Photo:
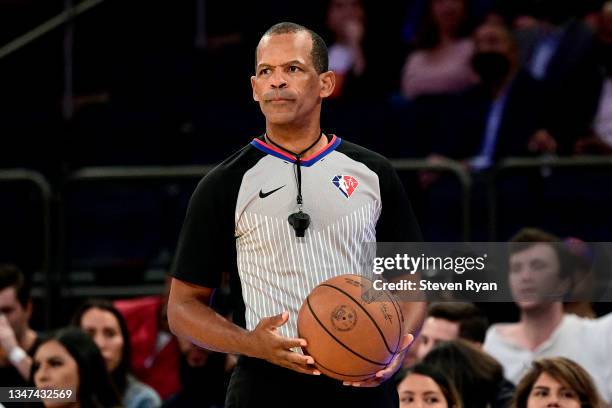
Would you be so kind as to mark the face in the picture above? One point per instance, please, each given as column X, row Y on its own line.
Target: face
column 416, row 391
column 448, row 14
column 286, row 84
column 104, row 329
column 15, row 313
column 55, row 369
column 534, row 276
column 493, row 38
column 341, row 11
column 548, row 392
column 434, row 331
column 194, row 355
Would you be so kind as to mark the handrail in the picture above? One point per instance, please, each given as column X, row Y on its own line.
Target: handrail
column 543, row 162
column 62, row 18
column 137, row 173
column 38, row 180
column 448, row 166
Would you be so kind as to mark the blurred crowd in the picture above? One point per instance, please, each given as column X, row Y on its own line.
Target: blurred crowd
column 470, row 80
column 122, row 353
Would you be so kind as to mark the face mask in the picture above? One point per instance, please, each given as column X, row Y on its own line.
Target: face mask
column 491, row 67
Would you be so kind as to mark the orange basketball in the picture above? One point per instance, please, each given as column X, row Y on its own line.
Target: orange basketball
column 352, row 330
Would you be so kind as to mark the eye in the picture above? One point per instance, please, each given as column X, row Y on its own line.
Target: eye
column 294, row 68
column 540, row 393
column 109, row 333
column 56, row 362
column 568, row 395
column 264, row 71
column 431, row 400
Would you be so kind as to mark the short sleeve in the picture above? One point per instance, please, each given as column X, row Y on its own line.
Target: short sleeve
column 206, row 247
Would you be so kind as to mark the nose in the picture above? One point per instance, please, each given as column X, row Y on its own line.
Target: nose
column 41, row 376
column 553, row 402
column 278, row 80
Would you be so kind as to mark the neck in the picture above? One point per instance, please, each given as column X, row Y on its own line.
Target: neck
column 539, row 323
column 296, row 139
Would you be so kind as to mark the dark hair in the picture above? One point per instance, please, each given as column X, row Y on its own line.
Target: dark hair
column 566, row 372
column 95, row 387
column 11, row 276
column 473, row 323
column 451, row 395
column 529, row 237
column 476, row 374
column 119, row 374
column 428, row 36
column 318, row 53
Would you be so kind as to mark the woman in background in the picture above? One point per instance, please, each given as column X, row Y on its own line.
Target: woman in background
column 557, row 382
column 426, row 386
column 70, row 360
column 441, row 63
column 105, row 324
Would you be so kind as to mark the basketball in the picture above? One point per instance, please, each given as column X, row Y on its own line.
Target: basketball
column 352, row 330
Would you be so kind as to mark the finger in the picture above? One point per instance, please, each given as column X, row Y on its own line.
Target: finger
column 301, row 369
column 406, row 342
column 289, row 343
column 297, row 358
column 276, row 321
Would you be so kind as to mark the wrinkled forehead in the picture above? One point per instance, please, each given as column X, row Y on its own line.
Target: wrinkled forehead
column 278, row 49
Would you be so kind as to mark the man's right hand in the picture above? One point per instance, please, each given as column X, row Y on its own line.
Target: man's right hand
column 268, row 345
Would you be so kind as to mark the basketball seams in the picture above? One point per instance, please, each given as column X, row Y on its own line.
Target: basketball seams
column 382, row 335
column 338, row 340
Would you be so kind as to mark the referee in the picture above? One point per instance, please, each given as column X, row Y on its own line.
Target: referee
column 291, row 209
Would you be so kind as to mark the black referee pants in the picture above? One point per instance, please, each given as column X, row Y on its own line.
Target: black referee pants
column 256, row 383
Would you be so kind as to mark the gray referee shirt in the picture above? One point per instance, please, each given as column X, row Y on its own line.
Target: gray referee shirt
column 237, row 223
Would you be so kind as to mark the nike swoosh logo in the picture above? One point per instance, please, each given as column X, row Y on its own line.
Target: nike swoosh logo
column 264, row 195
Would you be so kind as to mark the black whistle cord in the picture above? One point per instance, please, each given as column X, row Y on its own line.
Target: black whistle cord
column 298, row 163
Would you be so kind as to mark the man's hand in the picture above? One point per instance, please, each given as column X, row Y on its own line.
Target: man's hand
column 8, row 341
column 268, row 345
column 386, row 373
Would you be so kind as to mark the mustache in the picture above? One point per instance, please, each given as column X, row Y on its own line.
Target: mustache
column 279, row 94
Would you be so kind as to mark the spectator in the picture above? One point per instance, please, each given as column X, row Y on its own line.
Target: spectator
column 448, row 321
column 424, row 385
column 539, row 276
column 103, row 322
column 346, row 21
column 499, row 117
column 478, row 377
column 441, row 63
column 156, row 354
column 17, row 339
column 204, row 377
column 556, row 382
column 600, row 140
column 69, row 359
column 559, row 51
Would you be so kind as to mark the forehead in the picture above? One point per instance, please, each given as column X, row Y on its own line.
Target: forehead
column 419, row 383
column 8, row 296
column 547, row 380
column 491, row 34
column 538, row 251
column 441, row 329
column 99, row 317
column 279, row 49
column 52, row 348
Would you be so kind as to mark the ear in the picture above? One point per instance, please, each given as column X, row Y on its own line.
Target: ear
column 255, row 97
column 328, row 83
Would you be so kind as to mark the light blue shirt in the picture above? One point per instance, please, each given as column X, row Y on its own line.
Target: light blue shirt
column 484, row 158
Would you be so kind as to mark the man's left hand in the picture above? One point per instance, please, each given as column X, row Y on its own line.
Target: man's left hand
column 386, row 373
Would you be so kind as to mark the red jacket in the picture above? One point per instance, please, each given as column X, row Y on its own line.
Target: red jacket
column 159, row 369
